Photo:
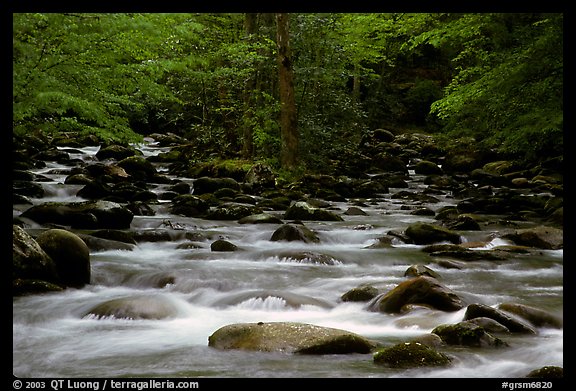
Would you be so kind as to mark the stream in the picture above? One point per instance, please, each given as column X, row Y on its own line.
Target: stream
column 52, row 338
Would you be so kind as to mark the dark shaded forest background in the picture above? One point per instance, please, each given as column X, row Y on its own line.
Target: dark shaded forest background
column 215, row 79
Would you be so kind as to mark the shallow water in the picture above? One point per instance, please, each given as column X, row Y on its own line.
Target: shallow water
column 52, row 337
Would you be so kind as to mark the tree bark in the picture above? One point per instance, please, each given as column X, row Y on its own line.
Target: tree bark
column 250, row 28
column 288, row 122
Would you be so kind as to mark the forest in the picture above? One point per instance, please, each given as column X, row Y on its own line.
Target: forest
column 295, row 90
column 288, row 195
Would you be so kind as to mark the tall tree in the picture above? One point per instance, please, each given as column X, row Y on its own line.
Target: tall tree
column 250, row 28
column 288, row 120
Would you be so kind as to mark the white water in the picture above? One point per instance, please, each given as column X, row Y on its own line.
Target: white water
column 52, row 337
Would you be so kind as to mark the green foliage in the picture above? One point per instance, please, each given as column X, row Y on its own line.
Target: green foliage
column 507, row 90
column 495, row 77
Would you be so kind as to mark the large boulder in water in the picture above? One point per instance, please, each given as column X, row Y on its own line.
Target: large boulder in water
column 422, row 290
column 294, row 232
column 424, row 233
column 549, row 238
column 70, row 254
column 410, row 355
column 29, row 260
column 536, row 316
column 513, row 323
column 87, row 214
column 141, row 307
column 289, row 337
column 302, row 210
column 467, row 333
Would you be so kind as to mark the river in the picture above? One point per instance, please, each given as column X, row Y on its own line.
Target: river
column 52, row 337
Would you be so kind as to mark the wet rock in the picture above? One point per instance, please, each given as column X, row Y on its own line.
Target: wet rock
column 549, row 238
column 463, row 222
column 115, row 235
column 294, row 232
column 304, row 211
column 420, row 270
column 490, row 325
column 260, row 177
column 142, row 307
column 231, row 211
column 70, row 254
column 87, row 214
column 22, row 287
column 409, row 355
column 362, row 293
column 419, row 290
column 467, row 333
column 117, row 152
column 138, row 167
column 430, row 339
column 288, row 337
column 29, row 260
column 260, row 218
column 309, row 257
column 355, row 211
column 511, row 323
column 424, row 233
column 223, row 245
column 426, row 167
column 422, row 211
column 204, row 185
column 547, row 372
column 536, row 316
column 188, row 205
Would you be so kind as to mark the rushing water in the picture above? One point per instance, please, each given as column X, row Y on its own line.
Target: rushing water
column 53, row 338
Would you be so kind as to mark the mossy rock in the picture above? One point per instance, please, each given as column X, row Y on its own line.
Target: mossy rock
column 409, row 355
column 289, row 337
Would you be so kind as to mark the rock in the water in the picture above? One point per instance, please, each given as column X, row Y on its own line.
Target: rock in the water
column 410, row 354
column 143, row 307
column 289, row 337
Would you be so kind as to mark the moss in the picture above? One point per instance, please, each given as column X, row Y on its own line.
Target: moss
column 410, row 354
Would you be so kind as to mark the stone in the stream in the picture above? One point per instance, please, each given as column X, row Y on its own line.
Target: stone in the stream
column 70, row 254
column 409, row 355
column 536, row 316
column 513, row 323
column 142, row 307
column 302, row 210
column 29, row 260
column 97, row 214
column 549, row 238
column 424, row 233
column 422, row 290
column 467, row 333
column 294, row 232
column 289, row 337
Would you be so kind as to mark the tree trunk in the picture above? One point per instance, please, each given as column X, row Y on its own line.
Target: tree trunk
column 250, row 28
column 356, row 84
column 288, row 123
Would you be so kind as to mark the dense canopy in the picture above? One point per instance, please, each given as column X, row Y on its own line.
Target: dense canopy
column 217, row 79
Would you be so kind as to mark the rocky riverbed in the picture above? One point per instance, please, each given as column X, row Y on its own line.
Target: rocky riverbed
column 139, row 260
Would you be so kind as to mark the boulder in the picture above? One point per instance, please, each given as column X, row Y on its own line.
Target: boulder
column 294, row 232
column 422, row 290
column 289, row 337
column 424, row 233
column 549, row 238
column 409, row 355
column 70, row 254
column 29, row 260
column 141, row 307
column 467, row 333
column 86, row 214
